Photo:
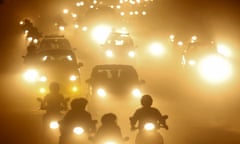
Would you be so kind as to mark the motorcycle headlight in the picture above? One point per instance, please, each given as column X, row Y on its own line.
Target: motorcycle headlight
column 78, row 130
column 54, row 125
column 131, row 54
column 73, row 78
column 149, row 126
column 136, row 92
column 110, row 142
column 109, row 53
column 101, row 92
column 31, row 75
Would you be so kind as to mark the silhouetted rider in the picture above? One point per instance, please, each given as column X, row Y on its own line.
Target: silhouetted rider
column 78, row 115
column 108, row 128
column 54, row 101
column 146, row 113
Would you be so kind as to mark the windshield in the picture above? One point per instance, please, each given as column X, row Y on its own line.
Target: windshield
column 55, row 44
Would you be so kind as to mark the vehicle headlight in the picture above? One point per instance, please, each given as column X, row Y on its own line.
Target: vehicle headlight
column 74, row 88
column 109, row 53
column 43, row 79
column 54, row 125
column 149, row 126
column 73, row 78
column 78, row 130
column 110, row 142
column 215, row 69
column 192, row 62
column 136, row 92
column 157, row 49
column 101, row 92
column 42, row 90
column 31, row 75
column 131, row 54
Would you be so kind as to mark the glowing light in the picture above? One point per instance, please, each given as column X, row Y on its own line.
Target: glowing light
column 43, row 79
column 215, row 69
column 84, row 28
column 144, row 13
column 76, row 26
column 109, row 53
column 172, row 37
column 29, row 39
column 101, row 92
column 31, row 75
column 74, row 88
column 54, row 125
column 137, row 93
column 224, row 50
column 149, row 126
column 65, row 11
column 131, row 54
column 61, row 28
column 157, row 49
column 100, row 33
column 21, row 22
column 122, row 13
column 74, row 15
column 42, row 90
column 35, row 41
column 73, row 78
column 69, row 58
column 78, row 130
column 180, row 43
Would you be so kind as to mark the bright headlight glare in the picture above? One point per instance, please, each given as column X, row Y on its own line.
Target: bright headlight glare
column 31, row 75
column 192, row 62
column 54, row 125
column 149, row 126
column 157, row 49
column 42, row 90
column 73, row 78
column 101, row 92
column 131, row 54
column 136, row 92
column 215, row 69
column 110, row 142
column 74, row 88
column 78, row 130
column 109, row 53
column 43, row 79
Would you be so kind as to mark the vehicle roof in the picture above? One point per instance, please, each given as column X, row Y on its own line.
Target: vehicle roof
column 57, row 51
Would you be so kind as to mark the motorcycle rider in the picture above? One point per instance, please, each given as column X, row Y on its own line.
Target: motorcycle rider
column 108, row 128
column 145, row 113
column 77, row 114
column 54, row 101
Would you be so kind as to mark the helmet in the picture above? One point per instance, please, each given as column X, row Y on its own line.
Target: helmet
column 54, row 87
column 146, row 100
column 79, row 103
column 108, row 118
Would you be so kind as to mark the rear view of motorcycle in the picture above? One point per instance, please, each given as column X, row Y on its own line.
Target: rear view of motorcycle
column 149, row 132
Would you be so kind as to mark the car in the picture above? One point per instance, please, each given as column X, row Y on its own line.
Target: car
column 54, row 42
column 196, row 51
column 119, row 45
column 114, row 79
column 60, row 65
column 207, row 60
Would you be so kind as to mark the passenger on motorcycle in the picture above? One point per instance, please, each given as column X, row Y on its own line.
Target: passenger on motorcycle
column 146, row 113
column 109, row 130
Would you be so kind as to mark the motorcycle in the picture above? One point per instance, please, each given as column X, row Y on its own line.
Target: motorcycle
column 149, row 132
column 51, row 118
column 76, row 132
